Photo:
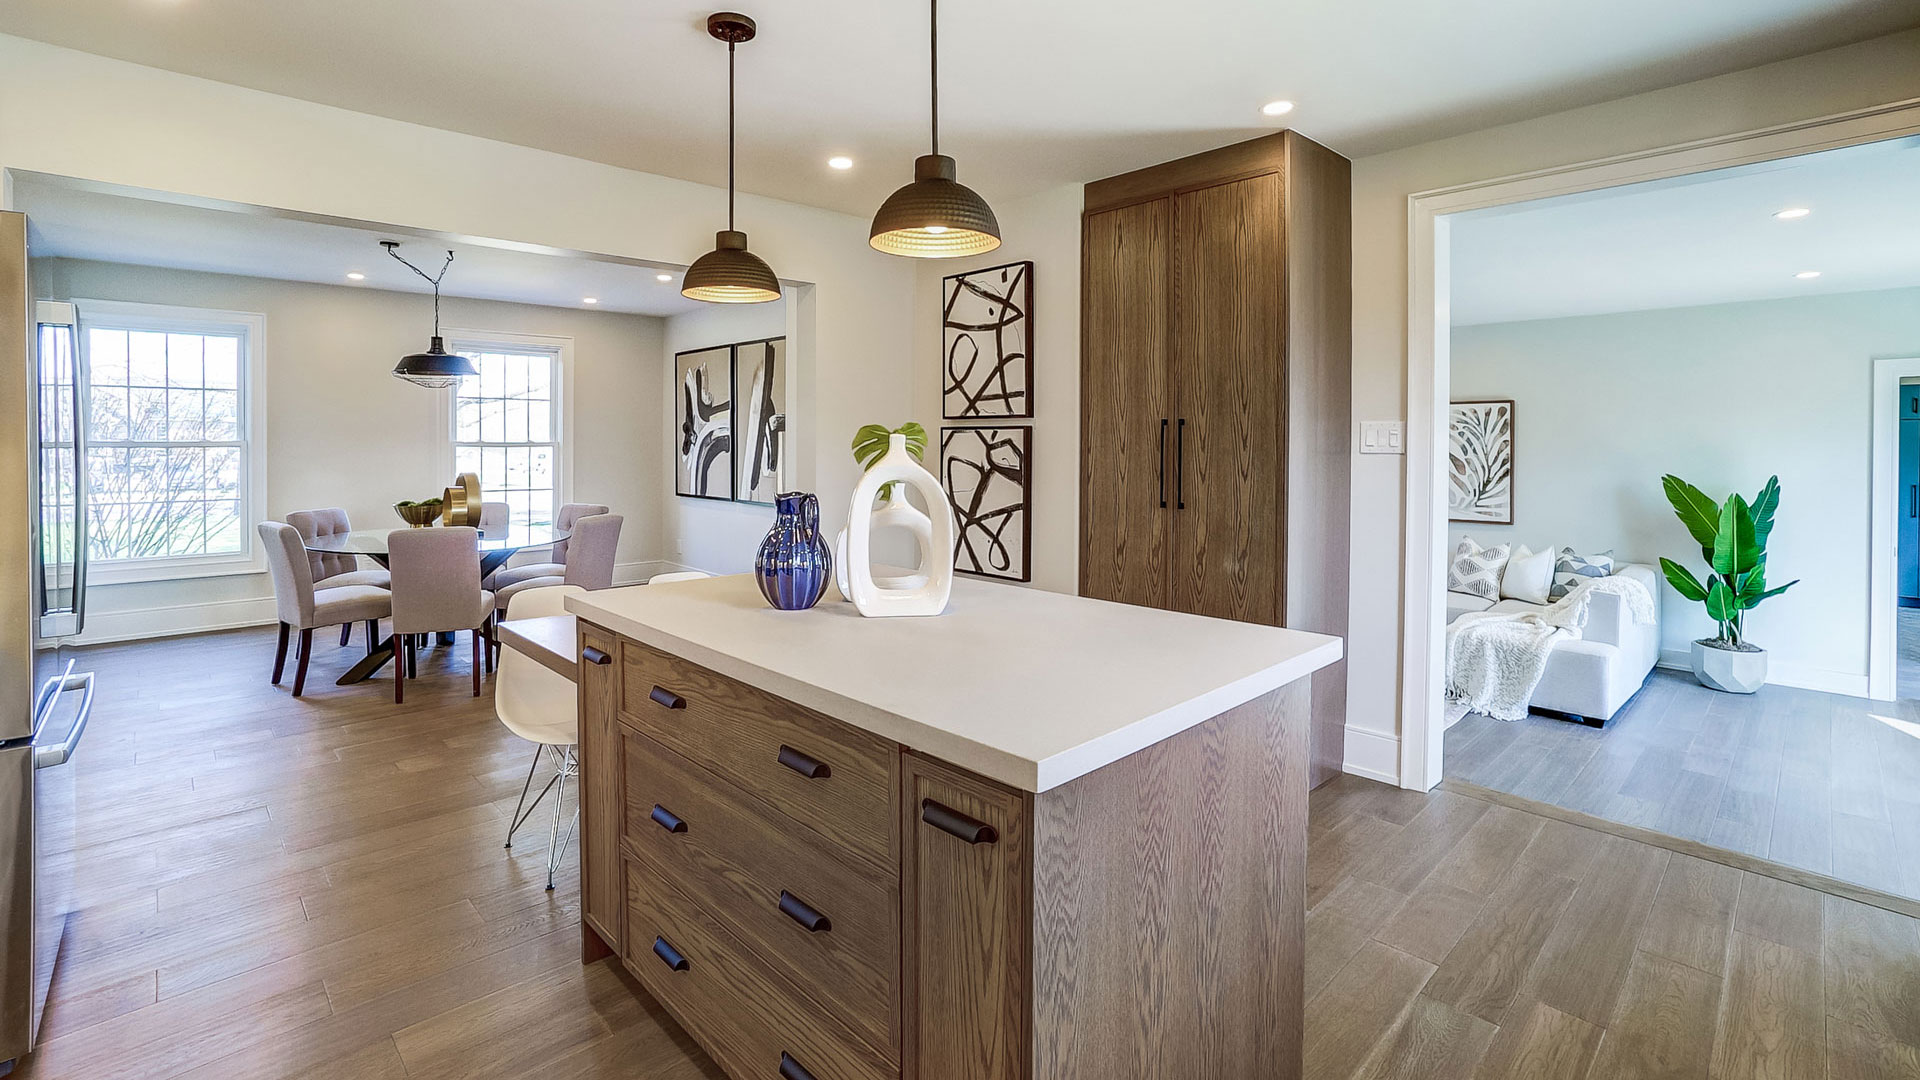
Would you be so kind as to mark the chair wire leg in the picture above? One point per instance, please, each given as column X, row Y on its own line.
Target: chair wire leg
column 557, row 844
column 523, row 810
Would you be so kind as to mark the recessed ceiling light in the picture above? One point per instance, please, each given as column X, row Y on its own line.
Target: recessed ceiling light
column 355, row 275
column 1276, row 108
column 1792, row 212
column 663, row 277
column 1807, row 275
column 841, row 163
column 589, row 299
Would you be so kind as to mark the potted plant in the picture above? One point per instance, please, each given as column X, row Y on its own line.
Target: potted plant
column 1733, row 539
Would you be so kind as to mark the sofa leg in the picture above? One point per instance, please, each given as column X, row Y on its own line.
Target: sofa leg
column 1591, row 721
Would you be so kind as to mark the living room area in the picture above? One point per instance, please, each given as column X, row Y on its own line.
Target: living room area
column 1680, row 509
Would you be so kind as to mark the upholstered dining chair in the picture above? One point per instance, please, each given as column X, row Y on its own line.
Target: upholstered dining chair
column 302, row 607
column 565, row 521
column 331, row 571
column 436, row 589
column 541, row 707
column 495, row 517
column 590, row 554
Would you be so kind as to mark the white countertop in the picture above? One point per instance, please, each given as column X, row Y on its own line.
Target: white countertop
column 1030, row 688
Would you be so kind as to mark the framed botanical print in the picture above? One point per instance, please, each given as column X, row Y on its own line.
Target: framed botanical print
column 1480, row 462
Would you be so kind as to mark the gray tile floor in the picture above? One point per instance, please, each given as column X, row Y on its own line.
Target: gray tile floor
column 1812, row 780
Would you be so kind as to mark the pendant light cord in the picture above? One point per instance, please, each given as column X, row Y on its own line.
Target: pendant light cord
column 730, row 46
column 434, row 281
column 935, row 67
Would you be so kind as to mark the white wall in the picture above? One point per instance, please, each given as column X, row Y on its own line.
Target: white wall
column 702, row 534
column 342, row 431
column 1722, row 396
column 1857, row 76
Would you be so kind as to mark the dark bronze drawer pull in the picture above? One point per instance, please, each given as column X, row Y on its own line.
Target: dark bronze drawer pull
column 803, row 913
column 805, row 764
column 669, row 955
column 949, row 820
column 791, row 1069
column 667, row 819
column 667, row 698
column 594, row 656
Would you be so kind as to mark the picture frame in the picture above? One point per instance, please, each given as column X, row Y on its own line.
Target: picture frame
column 703, row 423
column 986, row 343
column 987, row 473
column 760, row 419
column 1480, row 461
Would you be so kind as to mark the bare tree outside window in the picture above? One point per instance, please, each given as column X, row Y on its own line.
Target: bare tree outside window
column 504, row 430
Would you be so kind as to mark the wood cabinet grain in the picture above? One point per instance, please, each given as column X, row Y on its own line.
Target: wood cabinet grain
column 602, row 801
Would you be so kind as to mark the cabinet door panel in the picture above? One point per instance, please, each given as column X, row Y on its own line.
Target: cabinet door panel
column 1123, row 405
column 603, row 798
column 1228, row 382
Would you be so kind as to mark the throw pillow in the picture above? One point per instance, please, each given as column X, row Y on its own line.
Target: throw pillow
column 1476, row 570
column 1529, row 575
column 1572, row 569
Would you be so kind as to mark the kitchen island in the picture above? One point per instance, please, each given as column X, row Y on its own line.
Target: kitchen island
column 1039, row 836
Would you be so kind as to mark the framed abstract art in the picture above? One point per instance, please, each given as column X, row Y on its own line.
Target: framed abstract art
column 986, row 343
column 988, row 476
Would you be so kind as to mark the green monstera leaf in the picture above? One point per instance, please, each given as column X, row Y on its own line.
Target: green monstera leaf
column 1698, row 513
column 1734, row 550
column 1683, row 581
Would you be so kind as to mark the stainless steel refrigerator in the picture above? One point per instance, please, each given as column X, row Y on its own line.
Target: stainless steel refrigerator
column 44, row 701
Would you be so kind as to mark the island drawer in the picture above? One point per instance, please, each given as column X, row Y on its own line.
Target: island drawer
column 831, row 777
column 739, row 1010
column 830, row 928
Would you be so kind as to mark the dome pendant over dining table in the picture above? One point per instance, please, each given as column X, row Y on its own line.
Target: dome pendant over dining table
column 730, row 274
column 436, row 368
column 936, row 216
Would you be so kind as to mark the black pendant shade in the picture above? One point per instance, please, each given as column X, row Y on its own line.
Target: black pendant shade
column 436, row 368
column 936, row 216
column 730, row 274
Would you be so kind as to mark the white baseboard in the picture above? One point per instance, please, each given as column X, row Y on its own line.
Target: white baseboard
column 173, row 620
column 1799, row 676
column 1372, row 755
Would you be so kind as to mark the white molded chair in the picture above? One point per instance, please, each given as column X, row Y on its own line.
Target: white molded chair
column 542, row 707
column 678, row 575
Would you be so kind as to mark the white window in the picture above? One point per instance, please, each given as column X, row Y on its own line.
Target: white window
column 507, row 425
column 174, row 472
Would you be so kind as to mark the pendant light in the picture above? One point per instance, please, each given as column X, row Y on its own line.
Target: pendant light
column 730, row 274
column 436, row 368
column 935, row 217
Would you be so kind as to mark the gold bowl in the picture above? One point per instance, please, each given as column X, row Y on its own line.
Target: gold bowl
column 418, row 514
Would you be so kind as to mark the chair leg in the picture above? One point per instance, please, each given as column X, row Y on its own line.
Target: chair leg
column 373, row 635
column 346, row 633
column 493, row 643
column 523, row 810
column 280, row 654
column 556, row 845
column 477, row 635
column 399, row 668
column 413, row 656
column 306, row 653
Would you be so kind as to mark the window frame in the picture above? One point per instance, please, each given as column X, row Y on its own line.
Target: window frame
column 251, row 328
column 464, row 340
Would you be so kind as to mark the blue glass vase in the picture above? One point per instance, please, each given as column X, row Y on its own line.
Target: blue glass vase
column 795, row 563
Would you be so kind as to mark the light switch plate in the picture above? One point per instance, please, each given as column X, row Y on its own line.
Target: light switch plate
column 1382, row 437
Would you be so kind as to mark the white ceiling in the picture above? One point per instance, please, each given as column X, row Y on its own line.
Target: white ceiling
column 1710, row 238
column 1036, row 92
column 70, row 220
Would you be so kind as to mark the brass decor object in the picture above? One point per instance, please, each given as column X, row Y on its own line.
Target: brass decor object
column 730, row 274
column 418, row 515
column 936, row 216
column 462, row 503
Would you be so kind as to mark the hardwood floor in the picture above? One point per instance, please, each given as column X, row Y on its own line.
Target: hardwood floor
column 1814, row 781
column 1454, row 939
column 1907, row 635
column 275, row 888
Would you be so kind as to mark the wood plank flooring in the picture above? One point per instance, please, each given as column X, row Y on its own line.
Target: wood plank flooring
column 1814, row 781
column 273, row 888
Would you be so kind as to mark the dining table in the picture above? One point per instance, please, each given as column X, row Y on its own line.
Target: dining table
column 496, row 547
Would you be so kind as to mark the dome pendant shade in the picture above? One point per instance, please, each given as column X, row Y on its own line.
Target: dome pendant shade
column 436, row 368
column 730, row 274
column 935, row 217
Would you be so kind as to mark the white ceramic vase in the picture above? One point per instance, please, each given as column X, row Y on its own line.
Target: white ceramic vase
column 923, row 593
column 894, row 511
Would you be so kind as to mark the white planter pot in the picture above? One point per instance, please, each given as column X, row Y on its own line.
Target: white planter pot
column 1729, row 670
column 891, row 513
column 896, row 597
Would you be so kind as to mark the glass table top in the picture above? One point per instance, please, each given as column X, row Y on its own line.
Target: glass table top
column 374, row 541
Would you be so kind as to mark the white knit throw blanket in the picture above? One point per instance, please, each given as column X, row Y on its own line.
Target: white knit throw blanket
column 1495, row 659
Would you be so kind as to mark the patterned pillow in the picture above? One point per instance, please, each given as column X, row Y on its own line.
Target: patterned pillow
column 1569, row 570
column 1476, row 570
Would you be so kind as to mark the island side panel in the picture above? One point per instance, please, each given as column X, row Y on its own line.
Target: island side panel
column 1169, row 905
column 602, row 799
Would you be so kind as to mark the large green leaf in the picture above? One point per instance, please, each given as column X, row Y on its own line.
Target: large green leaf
column 1698, row 513
column 1764, row 504
column 870, row 442
column 1722, row 605
column 1734, row 549
column 1683, row 581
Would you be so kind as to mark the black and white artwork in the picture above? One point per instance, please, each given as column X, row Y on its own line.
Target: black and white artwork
column 1480, row 462
column 987, row 473
column 986, row 352
column 760, row 430
column 703, row 388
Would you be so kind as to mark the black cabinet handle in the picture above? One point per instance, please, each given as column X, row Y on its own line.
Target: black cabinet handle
column 803, row 913
column 669, row 955
column 667, row 819
column 1180, row 465
column 1161, row 462
column 594, row 656
column 948, row 820
column 805, row 764
column 791, row 1069
column 667, row 699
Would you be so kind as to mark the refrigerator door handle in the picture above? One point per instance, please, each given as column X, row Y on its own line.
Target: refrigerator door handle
column 46, row 757
column 81, row 557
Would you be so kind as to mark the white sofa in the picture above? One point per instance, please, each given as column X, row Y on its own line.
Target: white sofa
column 1590, row 678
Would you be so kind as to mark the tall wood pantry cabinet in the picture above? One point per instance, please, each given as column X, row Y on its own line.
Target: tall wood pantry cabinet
column 1216, row 394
